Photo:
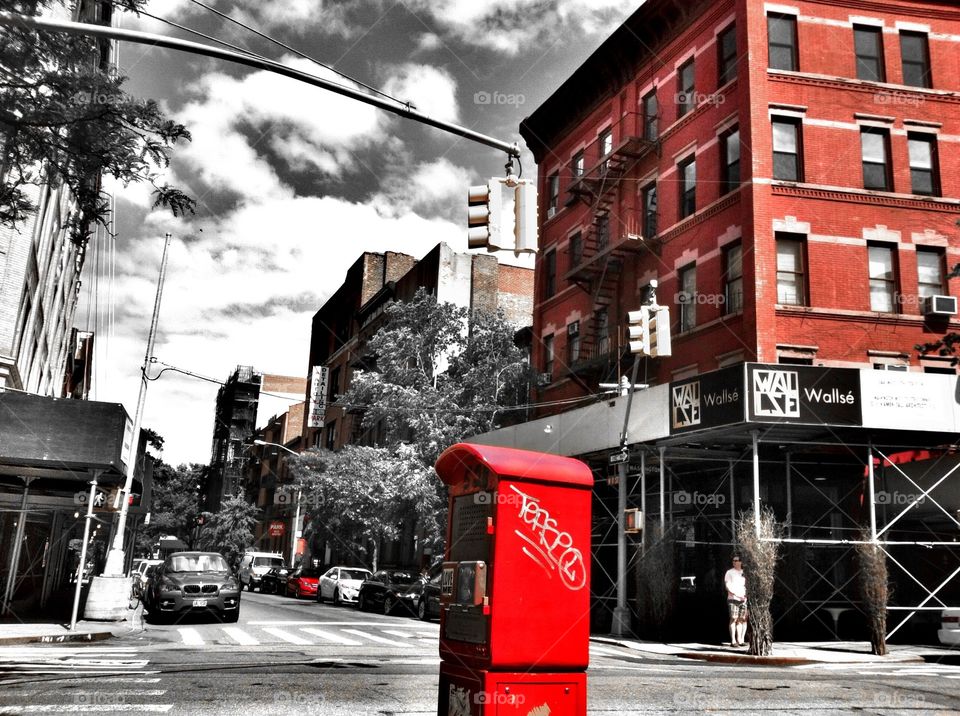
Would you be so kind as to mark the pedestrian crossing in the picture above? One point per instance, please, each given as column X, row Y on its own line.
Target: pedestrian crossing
column 309, row 634
column 52, row 680
column 933, row 670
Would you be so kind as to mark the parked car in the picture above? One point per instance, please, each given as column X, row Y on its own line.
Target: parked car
column 194, row 581
column 274, row 581
column 302, row 582
column 341, row 584
column 140, row 568
column 255, row 564
column 387, row 589
column 428, row 598
column 950, row 627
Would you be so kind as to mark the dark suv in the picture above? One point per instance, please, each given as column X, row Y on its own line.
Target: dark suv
column 194, row 581
column 388, row 589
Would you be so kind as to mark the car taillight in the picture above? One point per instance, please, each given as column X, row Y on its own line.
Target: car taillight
column 951, row 620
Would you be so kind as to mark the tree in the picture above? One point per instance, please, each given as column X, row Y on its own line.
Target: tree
column 229, row 531
column 760, row 551
column 360, row 496
column 67, row 119
column 174, row 506
column 873, row 582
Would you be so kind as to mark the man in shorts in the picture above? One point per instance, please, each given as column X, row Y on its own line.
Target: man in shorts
column 736, row 585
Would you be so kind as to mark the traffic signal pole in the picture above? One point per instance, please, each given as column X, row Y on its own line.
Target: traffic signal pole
column 621, row 614
column 407, row 110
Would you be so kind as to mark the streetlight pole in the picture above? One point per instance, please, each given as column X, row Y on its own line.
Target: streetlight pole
column 295, row 527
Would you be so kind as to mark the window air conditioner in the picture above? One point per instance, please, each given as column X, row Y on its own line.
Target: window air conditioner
column 940, row 306
column 544, row 379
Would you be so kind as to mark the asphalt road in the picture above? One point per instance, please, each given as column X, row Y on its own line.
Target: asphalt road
column 289, row 657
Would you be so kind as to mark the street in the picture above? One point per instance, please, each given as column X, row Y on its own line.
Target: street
column 286, row 656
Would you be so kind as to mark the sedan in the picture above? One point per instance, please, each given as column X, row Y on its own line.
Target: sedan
column 302, row 582
column 342, row 584
column 388, row 589
column 193, row 581
column 274, row 580
column 949, row 633
column 428, row 598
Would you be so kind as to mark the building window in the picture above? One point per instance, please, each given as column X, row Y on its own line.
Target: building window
column 331, row 435
column 553, row 192
column 603, row 231
column 650, row 211
column 727, row 62
column 930, row 279
column 915, row 54
column 687, row 170
column 883, row 280
column 730, row 158
column 686, row 89
column 578, row 165
column 687, row 297
column 605, row 143
column 868, row 47
column 782, row 37
column 548, row 355
column 924, row 169
column 733, row 279
column 651, row 110
column 573, row 342
column 549, row 274
column 333, row 388
column 790, row 270
column 576, row 249
column 602, row 323
column 787, row 150
column 875, row 146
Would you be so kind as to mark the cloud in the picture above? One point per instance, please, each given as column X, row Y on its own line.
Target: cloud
column 432, row 90
column 437, row 188
column 513, row 26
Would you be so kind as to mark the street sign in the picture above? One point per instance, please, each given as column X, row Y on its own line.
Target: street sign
column 277, row 528
column 618, row 458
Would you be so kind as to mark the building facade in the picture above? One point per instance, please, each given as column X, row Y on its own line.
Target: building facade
column 784, row 172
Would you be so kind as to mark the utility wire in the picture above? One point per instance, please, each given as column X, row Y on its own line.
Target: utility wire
column 203, row 35
column 298, row 53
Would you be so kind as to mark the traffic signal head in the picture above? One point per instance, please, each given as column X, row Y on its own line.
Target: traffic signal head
column 484, row 215
column 502, row 215
column 637, row 332
column 649, row 331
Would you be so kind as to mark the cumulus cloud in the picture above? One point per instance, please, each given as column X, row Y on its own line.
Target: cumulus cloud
column 436, row 188
column 512, row 26
column 432, row 89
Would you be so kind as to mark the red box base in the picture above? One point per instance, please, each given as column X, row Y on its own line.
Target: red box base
column 477, row 692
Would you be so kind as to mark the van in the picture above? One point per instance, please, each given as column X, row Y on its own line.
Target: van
column 254, row 565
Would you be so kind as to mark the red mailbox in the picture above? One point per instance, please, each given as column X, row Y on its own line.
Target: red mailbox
column 515, row 590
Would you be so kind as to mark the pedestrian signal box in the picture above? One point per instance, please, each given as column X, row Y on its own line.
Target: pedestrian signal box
column 515, row 587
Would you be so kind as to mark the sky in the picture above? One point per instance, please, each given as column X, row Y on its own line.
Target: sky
column 293, row 183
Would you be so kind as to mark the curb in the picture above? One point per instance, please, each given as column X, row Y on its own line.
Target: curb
column 748, row 659
column 56, row 638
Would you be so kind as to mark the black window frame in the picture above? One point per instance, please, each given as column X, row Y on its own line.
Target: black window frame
column 869, row 167
column 733, row 279
column 934, row 171
column 549, row 357
column 651, row 116
column 892, row 284
column 727, row 60
column 576, row 249
column 686, row 92
column 800, row 276
column 940, row 288
column 578, row 165
column 650, row 209
column 549, row 274
column 688, row 193
column 603, row 231
column 553, row 194
column 573, row 342
column 926, row 78
column 793, row 47
column 687, row 300
column 796, row 123
column 864, row 71
column 730, row 170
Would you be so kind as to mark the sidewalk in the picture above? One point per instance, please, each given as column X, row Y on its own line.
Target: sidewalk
column 12, row 633
column 786, row 653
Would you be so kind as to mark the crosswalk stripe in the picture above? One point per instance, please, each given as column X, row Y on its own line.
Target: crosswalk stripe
column 287, row 636
column 405, row 635
column 190, row 636
column 329, row 636
column 429, row 634
column 240, row 636
column 377, row 639
column 91, row 708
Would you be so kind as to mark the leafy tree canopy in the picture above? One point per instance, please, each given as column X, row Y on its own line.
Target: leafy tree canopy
column 229, row 531
column 66, row 118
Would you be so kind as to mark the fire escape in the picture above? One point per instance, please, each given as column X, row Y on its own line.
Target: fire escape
column 598, row 259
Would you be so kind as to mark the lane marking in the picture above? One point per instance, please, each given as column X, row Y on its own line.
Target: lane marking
column 240, row 636
column 329, row 624
column 91, row 708
column 330, row 636
column 288, row 637
column 190, row 636
column 399, row 633
column 378, row 639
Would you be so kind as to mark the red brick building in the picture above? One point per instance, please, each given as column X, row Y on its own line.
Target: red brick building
column 786, row 172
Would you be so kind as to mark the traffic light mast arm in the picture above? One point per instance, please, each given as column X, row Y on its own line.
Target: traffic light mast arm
column 196, row 48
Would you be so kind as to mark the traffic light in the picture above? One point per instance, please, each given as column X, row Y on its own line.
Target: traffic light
column 484, row 215
column 649, row 331
column 491, row 225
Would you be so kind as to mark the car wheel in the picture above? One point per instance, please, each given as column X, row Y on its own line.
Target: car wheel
column 362, row 602
column 250, row 586
column 422, row 610
column 336, row 597
column 389, row 604
column 296, row 593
